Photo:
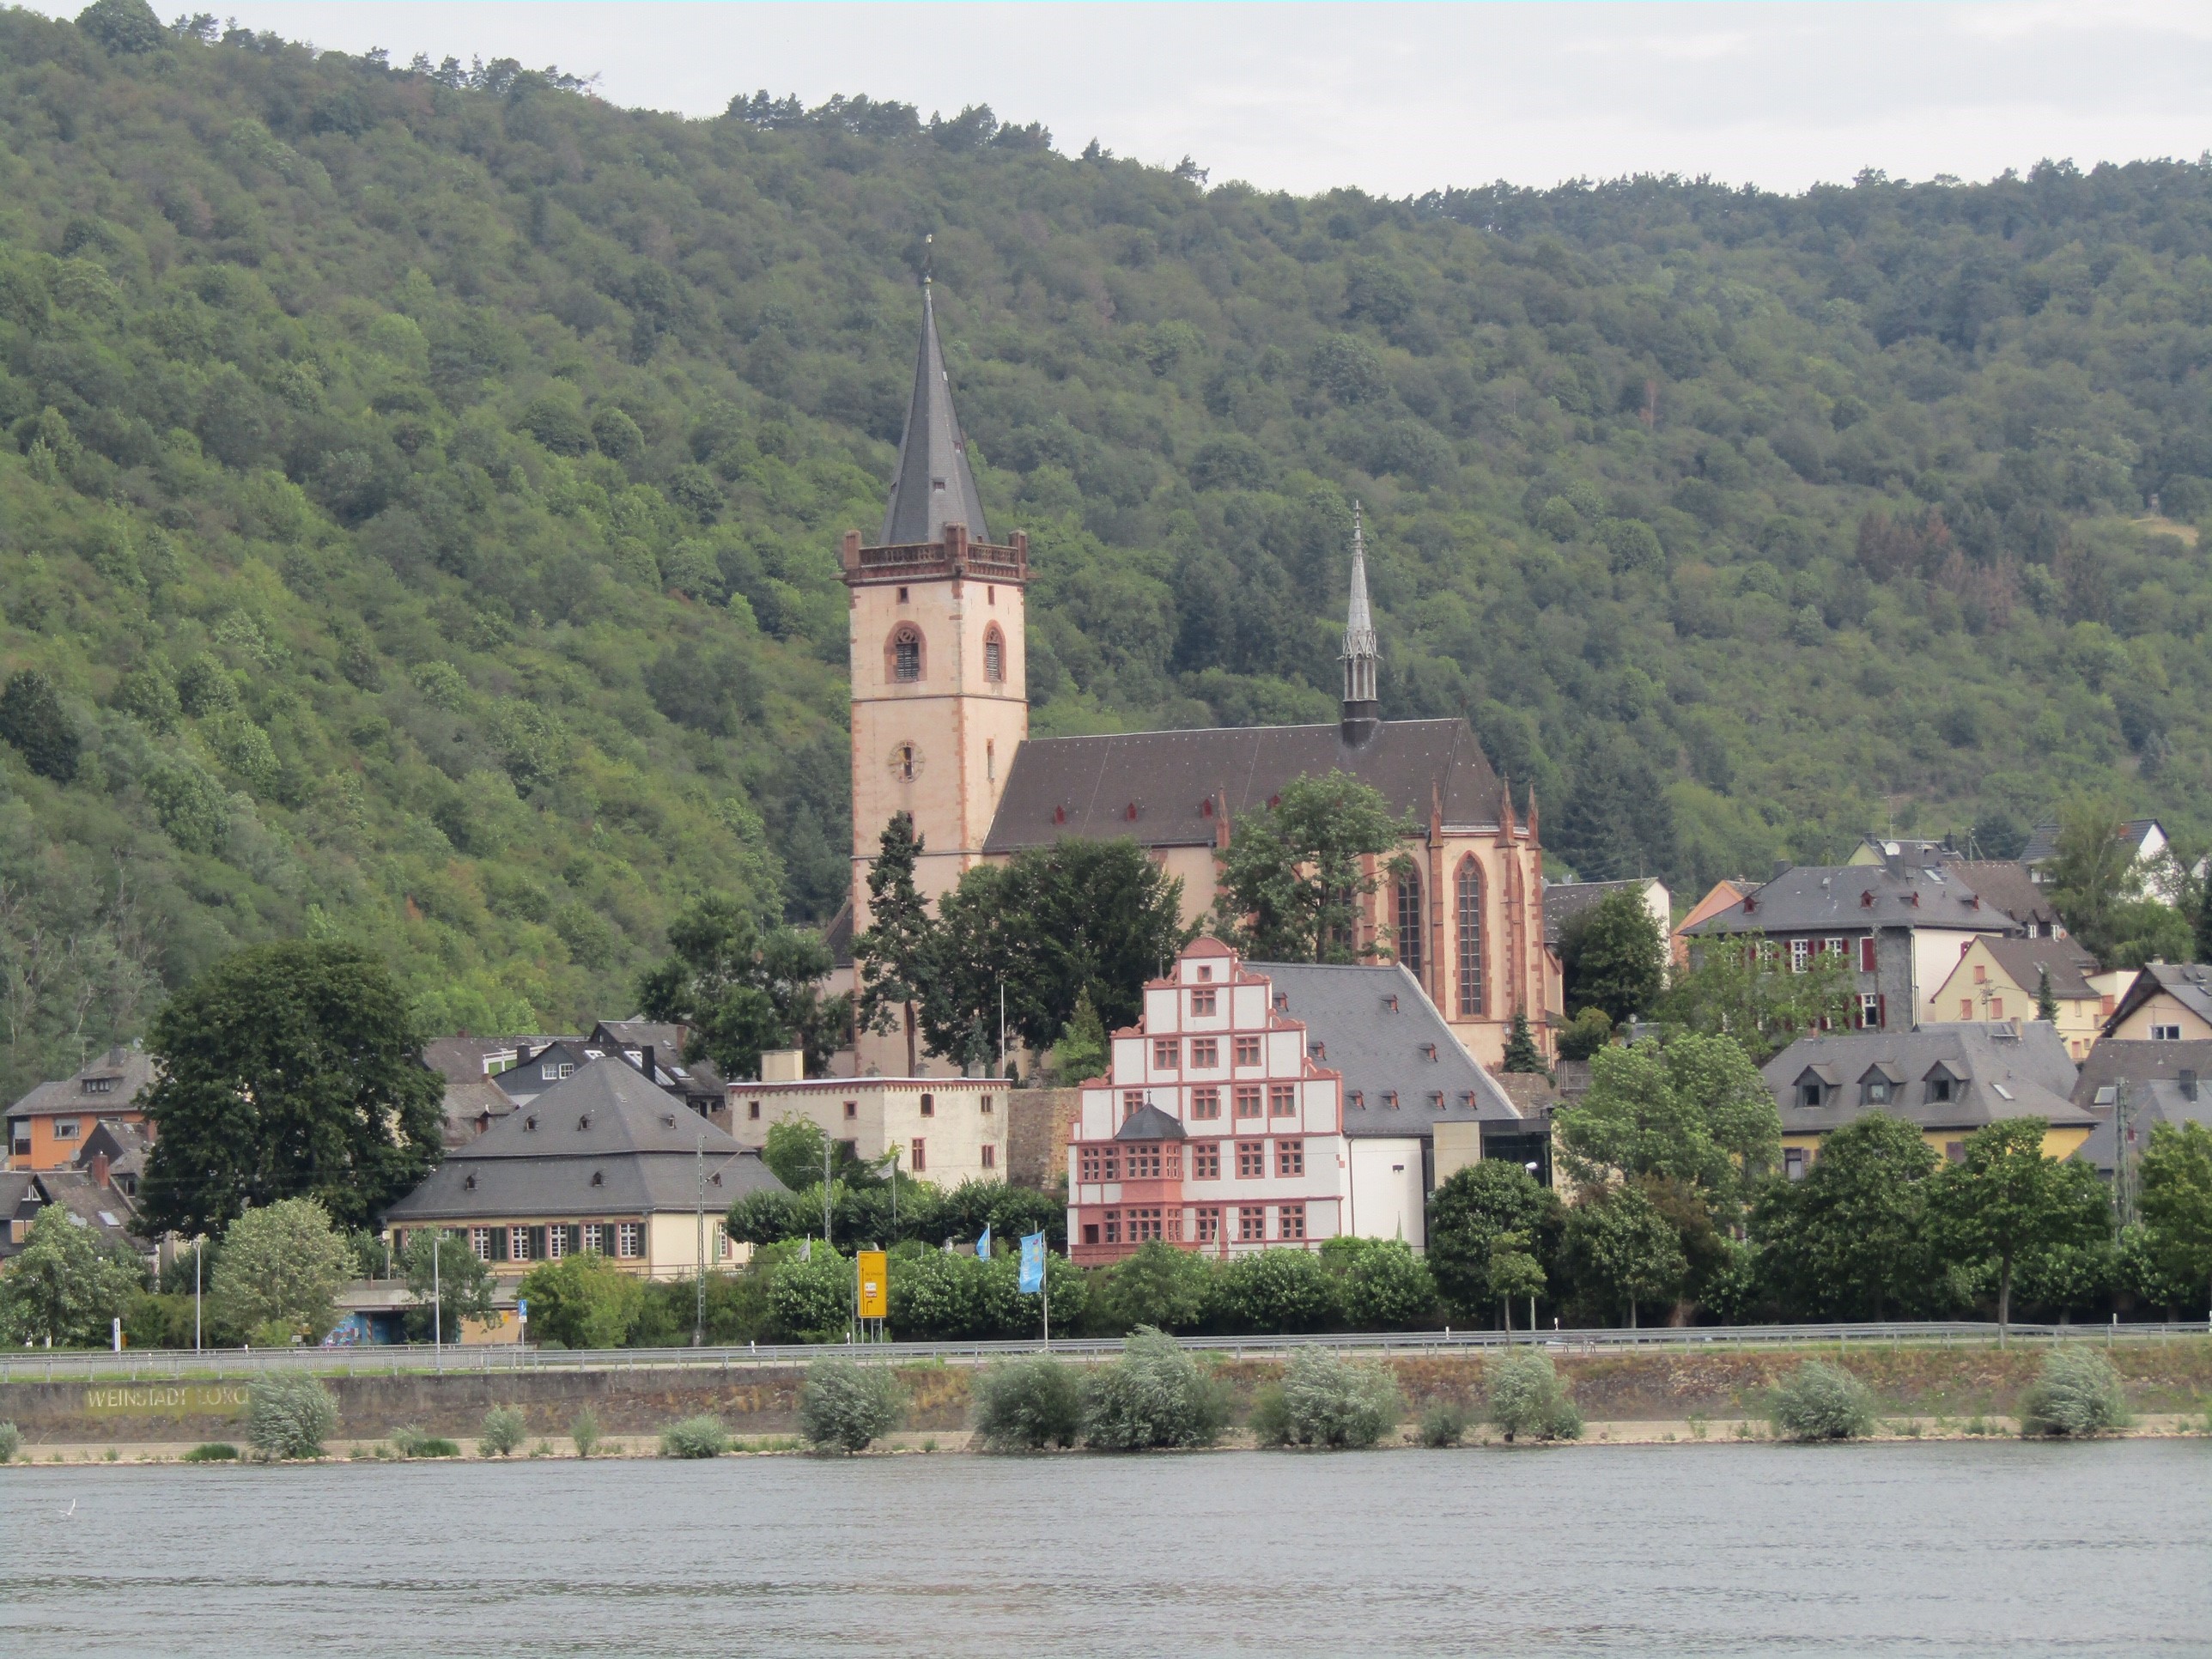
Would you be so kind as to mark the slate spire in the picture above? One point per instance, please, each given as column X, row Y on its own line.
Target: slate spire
column 934, row 486
column 1361, row 711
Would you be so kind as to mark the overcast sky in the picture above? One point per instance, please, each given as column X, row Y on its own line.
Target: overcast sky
column 1401, row 99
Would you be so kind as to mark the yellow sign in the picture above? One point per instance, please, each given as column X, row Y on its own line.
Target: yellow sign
column 874, row 1268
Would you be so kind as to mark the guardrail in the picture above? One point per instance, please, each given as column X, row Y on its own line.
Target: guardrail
column 146, row 1365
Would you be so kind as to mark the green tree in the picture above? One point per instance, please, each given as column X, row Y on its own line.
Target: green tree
column 1694, row 1111
column 2005, row 1198
column 66, row 1285
column 1614, row 957
column 582, row 1302
column 739, row 991
column 1619, row 1250
column 1159, row 1286
column 287, row 1071
column 1383, row 1285
column 1521, row 1053
column 2176, row 1201
column 282, row 1268
column 1851, row 1240
column 893, row 954
column 1080, row 1052
column 458, row 1284
column 1272, row 1293
column 2046, row 1004
column 1744, row 990
column 122, row 26
column 2097, row 883
column 1292, row 878
column 31, row 718
column 1479, row 1215
column 1585, row 1034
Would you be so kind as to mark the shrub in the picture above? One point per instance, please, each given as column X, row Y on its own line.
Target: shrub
column 215, row 1451
column 585, row 1431
column 1822, row 1402
column 1325, row 1399
column 1027, row 1405
column 11, row 1441
column 504, row 1431
column 413, row 1442
column 289, row 1415
column 1155, row 1395
column 695, row 1436
column 1272, row 1291
column 1443, row 1422
column 1525, row 1398
column 2078, row 1393
column 847, row 1406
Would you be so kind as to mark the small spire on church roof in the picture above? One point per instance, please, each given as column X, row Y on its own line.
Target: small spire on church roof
column 1358, row 622
column 934, row 486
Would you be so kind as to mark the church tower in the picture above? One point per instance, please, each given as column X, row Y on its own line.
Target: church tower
column 1363, row 711
column 939, row 702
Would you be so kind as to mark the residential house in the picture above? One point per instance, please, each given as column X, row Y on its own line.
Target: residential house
column 2168, row 1002
column 1566, row 900
column 2131, row 1087
column 1724, row 894
column 604, row 1161
column 1946, row 1079
column 945, row 1129
column 1998, row 978
column 114, row 1155
column 2146, row 836
column 1889, row 849
column 87, row 1196
column 46, row 1128
column 2012, row 887
column 467, row 1059
column 538, row 1069
column 1279, row 1104
column 1900, row 925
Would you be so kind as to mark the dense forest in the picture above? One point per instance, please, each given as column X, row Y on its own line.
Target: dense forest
column 418, row 522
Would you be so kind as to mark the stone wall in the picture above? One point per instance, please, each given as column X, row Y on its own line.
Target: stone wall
column 1039, row 1123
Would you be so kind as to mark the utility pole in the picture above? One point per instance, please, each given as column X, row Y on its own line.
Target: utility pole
column 437, row 1300
column 2123, row 1193
column 1002, row 1031
column 196, row 1242
column 825, row 1192
column 699, row 1309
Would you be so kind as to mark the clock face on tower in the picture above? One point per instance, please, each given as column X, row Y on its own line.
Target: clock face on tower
column 905, row 763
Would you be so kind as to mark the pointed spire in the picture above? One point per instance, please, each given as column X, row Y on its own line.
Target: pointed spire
column 934, row 486
column 1359, row 655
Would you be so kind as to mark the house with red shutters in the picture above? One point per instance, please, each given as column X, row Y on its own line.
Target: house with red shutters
column 1265, row 1105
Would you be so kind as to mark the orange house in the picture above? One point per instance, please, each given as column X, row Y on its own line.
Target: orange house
column 46, row 1128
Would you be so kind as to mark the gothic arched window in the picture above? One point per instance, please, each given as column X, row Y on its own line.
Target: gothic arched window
column 905, row 652
column 1410, row 926
column 994, row 654
column 1470, row 937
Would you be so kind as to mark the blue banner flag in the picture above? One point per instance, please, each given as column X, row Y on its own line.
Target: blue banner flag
column 983, row 1244
column 1032, row 1263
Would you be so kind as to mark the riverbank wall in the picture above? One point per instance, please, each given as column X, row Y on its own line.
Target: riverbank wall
column 1957, row 1382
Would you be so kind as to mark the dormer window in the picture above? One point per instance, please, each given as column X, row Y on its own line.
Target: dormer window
column 100, row 1086
column 1877, row 1090
column 1809, row 1093
column 1943, row 1085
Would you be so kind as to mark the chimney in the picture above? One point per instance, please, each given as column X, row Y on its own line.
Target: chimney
column 2189, row 1085
column 650, row 1073
column 99, row 1169
column 1781, row 867
column 783, row 1066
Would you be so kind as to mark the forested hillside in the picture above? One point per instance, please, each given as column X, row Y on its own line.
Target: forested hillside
column 424, row 486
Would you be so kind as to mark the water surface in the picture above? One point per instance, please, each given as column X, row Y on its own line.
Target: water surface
column 1721, row 1549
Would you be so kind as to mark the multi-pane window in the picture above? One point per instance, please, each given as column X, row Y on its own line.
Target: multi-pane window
column 556, row 1243
column 1289, row 1158
column 1208, row 1221
column 1132, row 1101
column 1171, row 1162
column 1282, row 1100
column 1145, row 1161
column 1869, row 1010
column 1088, row 1165
column 1839, row 948
column 1112, row 1226
column 1252, row 1222
column 1248, row 1051
column 1144, row 1225
column 1247, row 1100
column 990, row 1156
column 517, row 1244
column 995, row 656
column 1292, row 1219
column 1409, row 921
column 906, row 654
column 1469, row 935
column 1205, row 1051
column 917, row 1155
column 1167, row 1053
column 1205, row 1000
column 480, row 1242
column 1205, row 1103
column 1206, row 1161
column 629, row 1238
column 1801, row 955
column 595, row 1238
column 1251, row 1159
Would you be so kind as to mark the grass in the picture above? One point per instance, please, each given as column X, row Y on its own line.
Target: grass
column 215, row 1451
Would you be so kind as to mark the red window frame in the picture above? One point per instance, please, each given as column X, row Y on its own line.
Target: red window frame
column 1112, row 1226
column 1290, row 1222
column 1205, row 1103
column 1247, row 1100
column 1133, row 1101
column 1289, row 1158
column 1167, row 1054
column 1208, row 1224
column 1206, row 1160
column 1205, row 1051
column 1248, row 1051
column 1252, row 1223
column 1205, row 998
column 1251, row 1160
column 1088, row 1165
column 1282, row 1100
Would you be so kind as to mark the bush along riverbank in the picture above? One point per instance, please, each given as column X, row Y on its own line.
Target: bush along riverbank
column 1154, row 1395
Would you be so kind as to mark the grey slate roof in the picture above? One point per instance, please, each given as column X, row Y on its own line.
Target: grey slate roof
column 1408, row 1052
column 2043, row 840
column 1086, row 787
column 2008, row 884
column 470, row 1105
column 1847, row 897
column 1149, row 1122
column 2006, row 1074
column 934, row 486
column 1563, row 900
column 2024, row 959
column 128, row 1072
column 2189, row 983
column 2166, row 1083
column 104, row 1210
column 2140, row 1060
column 461, row 1059
column 607, row 1121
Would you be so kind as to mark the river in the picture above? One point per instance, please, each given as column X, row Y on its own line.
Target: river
column 1930, row 1549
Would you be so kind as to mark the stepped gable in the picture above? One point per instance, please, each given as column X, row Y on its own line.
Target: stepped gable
column 935, row 485
column 1159, row 786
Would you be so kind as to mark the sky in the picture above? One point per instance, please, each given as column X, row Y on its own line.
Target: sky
column 1399, row 98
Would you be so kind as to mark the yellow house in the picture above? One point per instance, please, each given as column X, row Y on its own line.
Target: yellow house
column 2169, row 1002
column 1947, row 1080
column 1998, row 978
column 946, row 1129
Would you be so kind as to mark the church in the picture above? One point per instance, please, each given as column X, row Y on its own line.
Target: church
column 940, row 731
